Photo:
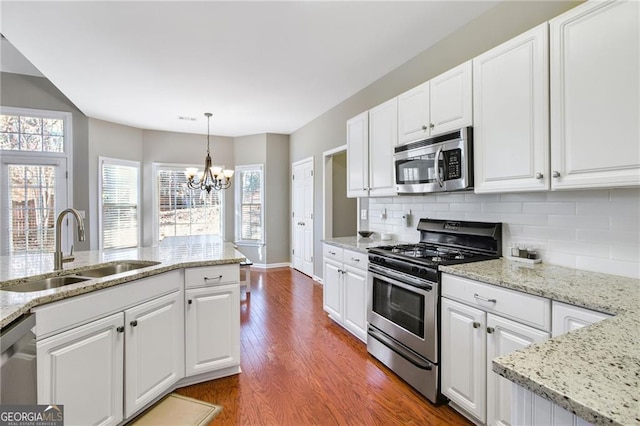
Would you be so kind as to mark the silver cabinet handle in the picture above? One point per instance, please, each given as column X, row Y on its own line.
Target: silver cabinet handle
column 219, row 277
column 436, row 166
column 134, row 323
column 355, row 260
column 490, row 330
column 333, row 253
column 120, row 329
column 555, row 174
column 476, row 324
column 432, row 125
column 484, row 299
column 539, row 175
column 424, row 127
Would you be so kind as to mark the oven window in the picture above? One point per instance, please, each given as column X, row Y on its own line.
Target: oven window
column 400, row 306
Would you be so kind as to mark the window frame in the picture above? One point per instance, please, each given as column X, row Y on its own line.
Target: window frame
column 238, row 202
column 156, row 167
column 43, row 158
column 119, row 162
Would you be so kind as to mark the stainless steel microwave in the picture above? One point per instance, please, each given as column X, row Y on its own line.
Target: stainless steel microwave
column 438, row 164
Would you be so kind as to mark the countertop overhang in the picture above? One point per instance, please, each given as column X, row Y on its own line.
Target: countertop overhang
column 593, row 372
column 172, row 253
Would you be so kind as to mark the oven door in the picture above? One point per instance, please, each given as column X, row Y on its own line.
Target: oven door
column 405, row 308
column 433, row 168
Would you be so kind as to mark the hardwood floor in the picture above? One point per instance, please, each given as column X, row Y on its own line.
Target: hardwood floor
column 300, row 368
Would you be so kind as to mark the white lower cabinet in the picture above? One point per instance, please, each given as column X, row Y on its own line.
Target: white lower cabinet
column 345, row 288
column 531, row 409
column 83, row 370
column 473, row 334
column 212, row 328
column 154, row 349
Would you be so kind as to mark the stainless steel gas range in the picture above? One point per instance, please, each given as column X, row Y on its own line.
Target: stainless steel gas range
column 404, row 289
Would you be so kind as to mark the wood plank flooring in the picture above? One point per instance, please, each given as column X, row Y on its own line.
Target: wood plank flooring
column 300, row 368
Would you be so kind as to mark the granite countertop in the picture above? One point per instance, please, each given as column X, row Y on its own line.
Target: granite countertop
column 358, row 243
column 172, row 253
column 594, row 371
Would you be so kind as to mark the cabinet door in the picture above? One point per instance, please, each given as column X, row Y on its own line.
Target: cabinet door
column 413, row 114
column 504, row 336
column 450, row 96
column 212, row 328
column 332, row 289
column 565, row 318
column 530, row 409
column 595, row 95
column 154, row 354
column 383, row 137
column 355, row 301
column 82, row 369
column 358, row 156
column 511, row 115
column 463, row 363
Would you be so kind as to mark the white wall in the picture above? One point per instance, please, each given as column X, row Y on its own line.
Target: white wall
column 596, row 230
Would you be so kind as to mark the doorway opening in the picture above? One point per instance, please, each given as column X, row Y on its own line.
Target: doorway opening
column 340, row 218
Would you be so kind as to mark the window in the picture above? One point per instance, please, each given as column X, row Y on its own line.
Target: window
column 35, row 148
column 119, row 194
column 183, row 211
column 249, row 196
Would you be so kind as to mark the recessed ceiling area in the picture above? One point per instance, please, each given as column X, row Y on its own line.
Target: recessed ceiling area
column 259, row 67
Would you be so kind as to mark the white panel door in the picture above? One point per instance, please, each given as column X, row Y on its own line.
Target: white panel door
column 383, row 137
column 595, row 95
column 358, row 156
column 212, row 329
column 504, row 336
column 355, row 301
column 302, row 223
column 332, row 284
column 463, row 363
column 451, row 100
column 511, row 115
column 566, row 318
column 413, row 114
column 82, row 369
column 154, row 354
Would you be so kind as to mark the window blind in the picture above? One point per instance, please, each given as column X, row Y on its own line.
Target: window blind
column 120, row 186
column 251, row 218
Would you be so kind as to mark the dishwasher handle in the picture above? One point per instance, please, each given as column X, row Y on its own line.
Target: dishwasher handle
column 13, row 333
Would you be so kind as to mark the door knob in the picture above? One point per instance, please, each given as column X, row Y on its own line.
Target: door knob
column 432, row 125
column 476, row 324
column 424, row 127
column 120, row 329
column 539, row 175
column 555, row 174
column 134, row 323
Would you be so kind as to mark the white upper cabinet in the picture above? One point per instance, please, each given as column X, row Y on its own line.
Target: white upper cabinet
column 358, row 156
column 595, row 90
column 383, row 137
column 511, row 115
column 437, row 106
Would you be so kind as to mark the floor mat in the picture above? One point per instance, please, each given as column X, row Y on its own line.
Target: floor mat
column 178, row 410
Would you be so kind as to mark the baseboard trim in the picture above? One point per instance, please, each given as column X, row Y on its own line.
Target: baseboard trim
column 271, row 265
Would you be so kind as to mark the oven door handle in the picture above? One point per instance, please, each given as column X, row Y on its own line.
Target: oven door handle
column 408, row 282
column 400, row 350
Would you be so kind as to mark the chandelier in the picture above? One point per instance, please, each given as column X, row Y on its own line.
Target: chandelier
column 212, row 177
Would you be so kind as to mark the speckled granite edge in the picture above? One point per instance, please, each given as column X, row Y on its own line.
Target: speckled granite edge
column 593, row 372
column 358, row 243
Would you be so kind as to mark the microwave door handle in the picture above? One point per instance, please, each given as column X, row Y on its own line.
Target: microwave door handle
column 436, row 164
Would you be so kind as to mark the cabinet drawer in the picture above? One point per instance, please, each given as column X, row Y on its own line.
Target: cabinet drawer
column 525, row 308
column 333, row 252
column 206, row 276
column 356, row 259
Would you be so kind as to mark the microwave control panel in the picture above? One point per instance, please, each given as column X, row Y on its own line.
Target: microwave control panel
column 453, row 164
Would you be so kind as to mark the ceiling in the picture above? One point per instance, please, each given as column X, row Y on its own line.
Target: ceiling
column 259, row 67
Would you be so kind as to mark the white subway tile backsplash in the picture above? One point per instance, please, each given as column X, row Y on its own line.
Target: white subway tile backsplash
column 597, row 230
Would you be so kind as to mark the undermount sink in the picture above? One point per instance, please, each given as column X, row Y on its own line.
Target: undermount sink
column 45, row 283
column 115, row 268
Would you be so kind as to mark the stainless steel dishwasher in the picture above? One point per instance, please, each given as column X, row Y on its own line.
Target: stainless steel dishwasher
column 18, row 380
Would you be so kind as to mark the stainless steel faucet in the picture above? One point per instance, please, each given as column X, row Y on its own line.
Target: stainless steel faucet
column 58, row 257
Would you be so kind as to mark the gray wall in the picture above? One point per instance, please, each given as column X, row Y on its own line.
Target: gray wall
column 499, row 24
column 114, row 141
column 23, row 91
column 272, row 151
column 345, row 216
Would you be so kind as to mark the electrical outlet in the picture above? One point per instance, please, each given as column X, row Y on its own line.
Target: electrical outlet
column 363, row 214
